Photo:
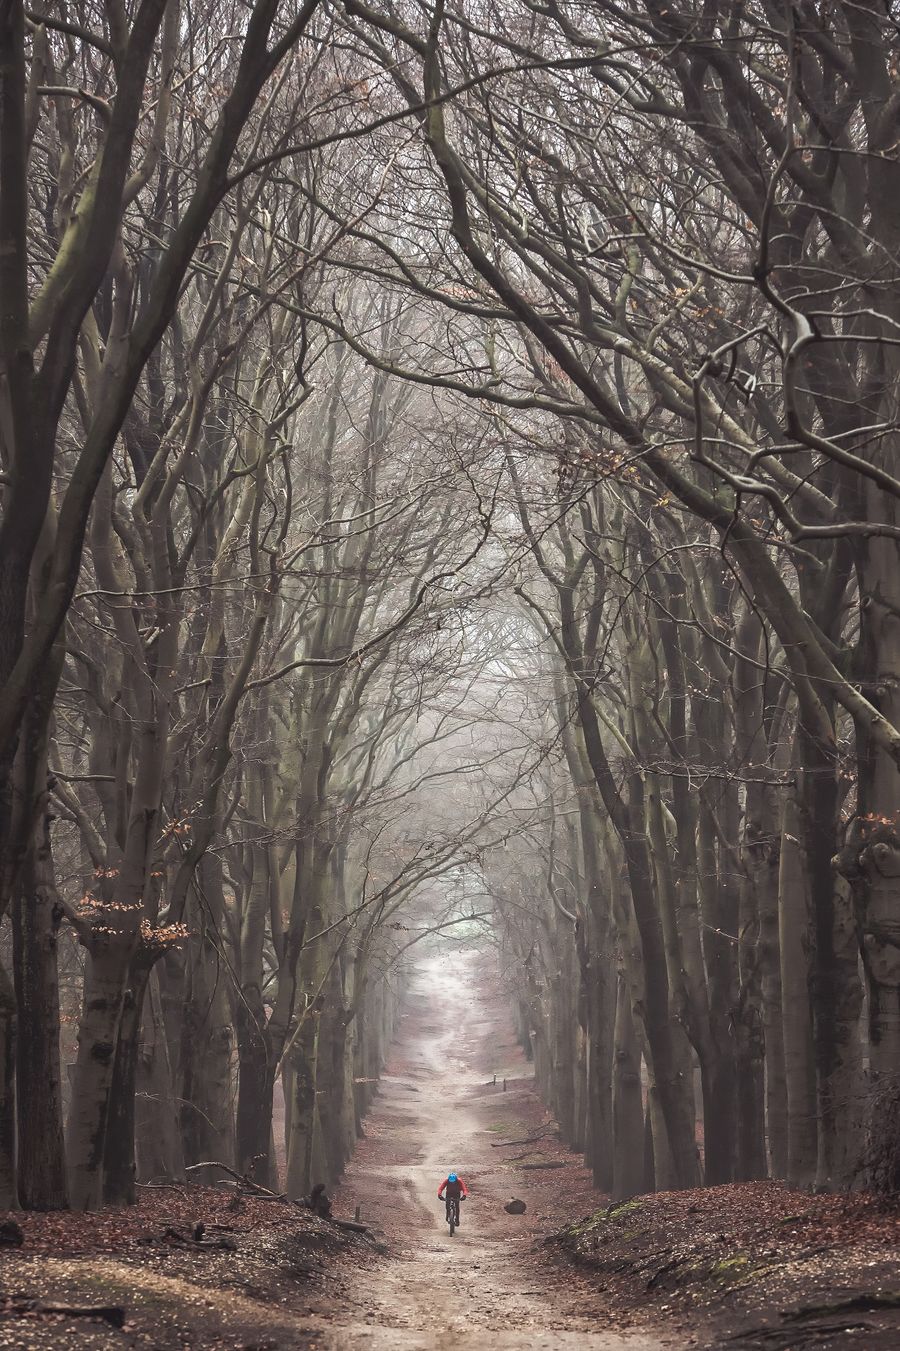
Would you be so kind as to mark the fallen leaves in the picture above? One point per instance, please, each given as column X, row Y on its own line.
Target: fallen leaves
column 757, row 1250
column 129, row 1229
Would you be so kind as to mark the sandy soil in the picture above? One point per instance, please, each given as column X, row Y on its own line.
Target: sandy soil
column 439, row 1108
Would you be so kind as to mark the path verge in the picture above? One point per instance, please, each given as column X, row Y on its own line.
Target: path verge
column 749, row 1266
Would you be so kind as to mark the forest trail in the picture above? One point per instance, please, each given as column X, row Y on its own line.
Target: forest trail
column 438, row 1109
column 287, row 1286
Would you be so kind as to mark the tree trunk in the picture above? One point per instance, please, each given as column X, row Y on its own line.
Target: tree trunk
column 718, row 1075
column 8, row 1190
column 755, row 859
column 835, row 990
column 752, row 1163
column 348, row 1116
column 770, row 986
column 98, row 1034
column 255, row 1096
column 330, row 1068
column 562, row 1024
column 257, row 1056
column 706, row 1013
column 665, row 1175
column 206, row 1031
column 28, row 869
column 628, row 1111
column 35, row 919
column 303, row 1128
column 335, row 1070
column 794, row 941
column 676, row 1097
column 848, row 1081
column 119, row 1171
column 599, row 1125
column 874, row 873
column 206, row 1091
column 158, row 1143
column 649, row 1161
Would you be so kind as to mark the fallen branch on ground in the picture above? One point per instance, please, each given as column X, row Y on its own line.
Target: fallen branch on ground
column 785, row 1339
column 528, row 1140
column 862, row 1303
column 553, row 1163
column 256, row 1187
column 266, row 1194
column 113, row 1314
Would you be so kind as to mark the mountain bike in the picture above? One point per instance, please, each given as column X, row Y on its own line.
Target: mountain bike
column 453, row 1213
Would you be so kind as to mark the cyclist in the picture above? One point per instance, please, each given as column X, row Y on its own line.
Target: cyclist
column 455, row 1189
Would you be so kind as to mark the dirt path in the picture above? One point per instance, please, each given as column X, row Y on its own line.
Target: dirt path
column 439, row 1109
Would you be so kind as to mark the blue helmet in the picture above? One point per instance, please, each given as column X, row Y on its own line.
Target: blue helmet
column 451, row 1177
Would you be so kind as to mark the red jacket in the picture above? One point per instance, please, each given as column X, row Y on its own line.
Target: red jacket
column 454, row 1189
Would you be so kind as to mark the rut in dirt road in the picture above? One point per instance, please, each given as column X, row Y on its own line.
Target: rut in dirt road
column 438, row 1110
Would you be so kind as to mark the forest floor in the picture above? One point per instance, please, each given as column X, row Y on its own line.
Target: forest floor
column 747, row 1267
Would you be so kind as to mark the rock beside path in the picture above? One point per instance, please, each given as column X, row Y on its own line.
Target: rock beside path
column 515, row 1207
column 11, row 1234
